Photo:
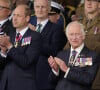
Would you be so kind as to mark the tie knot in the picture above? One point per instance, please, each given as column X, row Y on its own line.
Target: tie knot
column 39, row 27
column 74, row 53
column 18, row 37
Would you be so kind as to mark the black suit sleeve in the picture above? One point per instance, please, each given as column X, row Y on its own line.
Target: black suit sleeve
column 26, row 55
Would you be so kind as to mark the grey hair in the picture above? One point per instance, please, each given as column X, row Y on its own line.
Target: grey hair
column 78, row 23
column 9, row 3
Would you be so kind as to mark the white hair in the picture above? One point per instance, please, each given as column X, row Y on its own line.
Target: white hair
column 78, row 23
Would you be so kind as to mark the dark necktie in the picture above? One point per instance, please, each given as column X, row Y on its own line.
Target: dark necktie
column 39, row 28
column 72, row 58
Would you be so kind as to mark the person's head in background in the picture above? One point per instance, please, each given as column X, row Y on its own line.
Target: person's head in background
column 99, row 6
column 54, row 14
column 42, row 8
column 5, row 9
column 21, row 17
column 91, row 8
column 19, row 2
column 75, row 34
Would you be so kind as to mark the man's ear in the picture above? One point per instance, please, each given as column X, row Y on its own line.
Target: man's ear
column 10, row 12
column 27, row 18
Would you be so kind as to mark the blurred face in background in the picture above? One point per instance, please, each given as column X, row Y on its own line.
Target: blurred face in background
column 42, row 8
column 91, row 6
column 4, row 10
column 54, row 18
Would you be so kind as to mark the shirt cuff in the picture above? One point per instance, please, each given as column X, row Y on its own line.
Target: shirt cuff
column 56, row 73
column 3, row 55
column 66, row 73
column 9, row 48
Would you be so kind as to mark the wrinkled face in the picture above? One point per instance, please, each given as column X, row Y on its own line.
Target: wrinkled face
column 19, row 19
column 75, row 35
column 4, row 10
column 91, row 6
column 41, row 8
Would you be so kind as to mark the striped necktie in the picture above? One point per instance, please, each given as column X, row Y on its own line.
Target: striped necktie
column 39, row 28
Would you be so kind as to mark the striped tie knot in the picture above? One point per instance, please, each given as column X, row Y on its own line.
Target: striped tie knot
column 39, row 28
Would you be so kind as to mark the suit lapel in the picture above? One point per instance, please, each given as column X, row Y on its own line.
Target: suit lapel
column 84, row 52
column 46, row 28
column 67, row 55
column 13, row 35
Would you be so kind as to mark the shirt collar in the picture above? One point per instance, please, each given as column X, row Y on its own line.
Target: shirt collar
column 2, row 22
column 22, row 32
column 43, row 23
column 79, row 49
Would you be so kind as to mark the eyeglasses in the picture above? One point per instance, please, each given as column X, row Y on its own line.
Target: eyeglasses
column 2, row 7
column 93, row 0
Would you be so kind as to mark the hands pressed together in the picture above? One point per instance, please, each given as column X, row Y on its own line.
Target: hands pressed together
column 5, row 43
column 57, row 63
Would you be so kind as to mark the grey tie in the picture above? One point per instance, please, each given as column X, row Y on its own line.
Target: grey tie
column 39, row 28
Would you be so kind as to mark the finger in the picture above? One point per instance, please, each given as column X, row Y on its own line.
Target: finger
column 58, row 61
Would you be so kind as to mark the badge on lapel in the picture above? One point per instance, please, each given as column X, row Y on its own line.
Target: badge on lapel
column 26, row 41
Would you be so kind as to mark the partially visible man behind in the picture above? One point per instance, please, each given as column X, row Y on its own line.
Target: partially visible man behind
column 5, row 24
column 5, row 11
column 22, row 49
column 76, row 67
column 56, row 14
column 53, row 38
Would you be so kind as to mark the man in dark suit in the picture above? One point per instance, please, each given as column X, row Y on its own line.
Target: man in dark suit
column 75, row 68
column 20, row 53
column 5, row 24
column 53, row 38
column 5, row 11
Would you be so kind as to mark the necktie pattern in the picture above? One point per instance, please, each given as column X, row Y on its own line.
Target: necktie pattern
column 17, row 39
column 39, row 28
column 72, row 58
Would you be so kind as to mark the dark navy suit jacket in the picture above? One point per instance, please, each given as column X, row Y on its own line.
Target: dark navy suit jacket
column 19, row 72
column 6, row 28
column 78, row 78
column 54, row 40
